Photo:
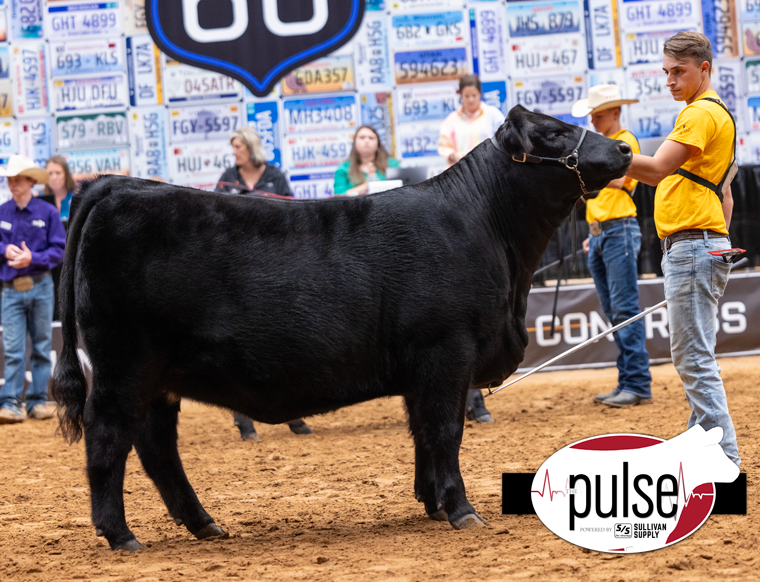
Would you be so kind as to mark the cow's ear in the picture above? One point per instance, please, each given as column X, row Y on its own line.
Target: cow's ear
column 516, row 134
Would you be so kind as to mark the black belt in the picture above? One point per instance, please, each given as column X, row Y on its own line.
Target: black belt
column 36, row 279
column 597, row 227
column 688, row 234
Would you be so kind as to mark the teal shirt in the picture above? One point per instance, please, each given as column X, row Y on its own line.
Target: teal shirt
column 343, row 181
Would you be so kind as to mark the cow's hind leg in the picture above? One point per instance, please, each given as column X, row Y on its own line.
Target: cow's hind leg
column 424, row 472
column 157, row 448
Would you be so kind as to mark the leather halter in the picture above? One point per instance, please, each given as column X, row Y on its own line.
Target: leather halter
column 570, row 162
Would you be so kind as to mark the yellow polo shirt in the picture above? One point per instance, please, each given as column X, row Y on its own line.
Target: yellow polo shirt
column 679, row 203
column 612, row 203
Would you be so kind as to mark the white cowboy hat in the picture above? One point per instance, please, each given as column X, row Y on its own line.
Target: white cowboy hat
column 23, row 166
column 600, row 97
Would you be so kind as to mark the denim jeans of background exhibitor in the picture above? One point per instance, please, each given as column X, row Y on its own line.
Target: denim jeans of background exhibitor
column 27, row 311
column 694, row 281
column 612, row 258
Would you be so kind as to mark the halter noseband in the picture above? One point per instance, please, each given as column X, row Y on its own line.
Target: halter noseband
column 570, row 162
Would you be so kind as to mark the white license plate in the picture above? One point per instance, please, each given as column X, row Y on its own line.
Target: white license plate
column 543, row 55
column 431, row 66
column 312, row 186
column 749, row 9
column 90, row 93
column 653, row 120
column 371, row 53
column 65, row 20
column 644, row 47
column 264, row 118
column 487, row 29
column 26, row 18
column 8, row 138
column 418, row 140
column 203, row 123
column 200, row 165
column 541, row 18
column 35, row 136
column 149, row 152
column 647, row 83
column 184, row 84
column 326, row 75
column 85, row 165
column 751, row 38
column 135, row 18
column 422, row 5
column 753, row 113
column 411, row 31
column 727, row 81
column 721, row 26
column 603, row 34
column 86, row 57
column 550, row 95
column 318, row 150
column 320, row 114
column 101, row 129
column 643, row 15
column 752, row 75
column 376, row 110
column 31, row 79
column 144, row 71
column 415, row 104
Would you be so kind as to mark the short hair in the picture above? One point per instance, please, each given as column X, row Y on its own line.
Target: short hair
column 68, row 179
column 470, row 81
column 689, row 45
column 251, row 140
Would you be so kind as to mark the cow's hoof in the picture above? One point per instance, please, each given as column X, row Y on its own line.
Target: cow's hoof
column 439, row 515
column 99, row 532
column 178, row 521
column 250, row 436
column 211, row 531
column 469, row 521
column 131, row 546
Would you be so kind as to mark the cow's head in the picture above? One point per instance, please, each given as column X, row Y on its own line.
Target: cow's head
column 600, row 159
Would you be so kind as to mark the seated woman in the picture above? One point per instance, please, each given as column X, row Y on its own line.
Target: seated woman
column 251, row 171
column 366, row 163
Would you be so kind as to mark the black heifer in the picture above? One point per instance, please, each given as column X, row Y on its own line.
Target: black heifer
column 281, row 309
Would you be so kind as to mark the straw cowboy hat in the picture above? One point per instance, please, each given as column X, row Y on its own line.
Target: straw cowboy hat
column 23, row 166
column 600, row 97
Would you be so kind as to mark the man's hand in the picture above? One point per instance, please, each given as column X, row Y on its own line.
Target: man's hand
column 11, row 252
column 585, row 245
column 22, row 259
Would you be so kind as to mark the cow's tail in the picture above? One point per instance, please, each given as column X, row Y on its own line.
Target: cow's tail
column 69, row 386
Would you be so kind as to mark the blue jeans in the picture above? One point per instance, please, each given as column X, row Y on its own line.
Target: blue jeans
column 612, row 258
column 27, row 311
column 694, row 281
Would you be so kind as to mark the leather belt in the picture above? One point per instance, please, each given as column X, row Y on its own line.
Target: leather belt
column 36, row 279
column 688, row 234
column 597, row 227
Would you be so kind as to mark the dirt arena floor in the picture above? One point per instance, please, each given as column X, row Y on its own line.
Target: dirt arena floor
column 339, row 504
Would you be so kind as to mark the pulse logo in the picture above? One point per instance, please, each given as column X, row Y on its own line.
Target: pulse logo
column 627, row 493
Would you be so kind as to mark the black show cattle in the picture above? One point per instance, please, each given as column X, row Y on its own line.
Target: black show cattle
column 283, row 309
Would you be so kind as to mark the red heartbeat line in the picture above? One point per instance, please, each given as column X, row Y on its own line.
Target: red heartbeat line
column 547, row 480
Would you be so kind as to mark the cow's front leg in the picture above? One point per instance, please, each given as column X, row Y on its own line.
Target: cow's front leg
column 156, row 446
column 424, row 473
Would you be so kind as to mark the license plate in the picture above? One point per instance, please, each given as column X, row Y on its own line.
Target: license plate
column 31, row 79
column 203, row 123
column 749, row 9
column 727, row 80
column 134, row 17
column 312, row 186
column 264, row 118
column 748, row 149
column 144, row 71
column 335, row 73
column 495, row 95
column 418, row 140
column 319, row 114
column 487, row 32
column 318, row 150
column 544, row 55
column 653, row 120
column 645, row 47
column 26, row 18
column 549, row 95
column 86, row 57
column 200, row 165
column 90, row 93
column 425, row 103
column 422, row 5
column 753, row 113
column 66, row 21
column 85, row 165
column 751, row 38
column 647, row 84
column 102, row 129
column 603, row 34
column 6, row 85
column 371, row 55
column 540, row 18
column 752, row 75
column 431, row 65
column 376, row 110
column 8, row 138
column 35, row 136
column 184, row 84
column 643, row 15
column 3, row 26
column 148, row 130
column 721, row 27
column 411, row 31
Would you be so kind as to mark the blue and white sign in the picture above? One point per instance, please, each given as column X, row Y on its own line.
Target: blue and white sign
column 720, row 24
column 550, row 95
column 540, row 18
column 30, row 76
column 88, row 131
column 85, row 165
column 185, row 84
column 86, row 57
column 149, row 152
column 313, row 186
column 263, row 117
column 418, row 140
column 372, row 59
column 727, row 82
column 90, row 93
column 412, row 31
column 26, row 19
column 548, row 54
column 377, row 111
column 35, row 136
column 487, row 30
column 8, row 137
column 654, row 119
column 144, row 71
column 415, row 104
column 495, row 94
column 76, row 20
column 320, row 114
column 203, row 123
column 753, row 113
column 318, row 150
column 602, row 34
column 644, row 15
column 752, row 75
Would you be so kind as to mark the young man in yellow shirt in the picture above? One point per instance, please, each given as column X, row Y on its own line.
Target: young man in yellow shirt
column 613, row 249
column 691, row 220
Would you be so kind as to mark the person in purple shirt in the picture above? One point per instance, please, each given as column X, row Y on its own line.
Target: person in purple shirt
column 31, row 243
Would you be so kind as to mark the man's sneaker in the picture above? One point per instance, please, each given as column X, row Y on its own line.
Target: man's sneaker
column 41, row 412
column 599, row 398
column 626, row 399
column 11, row 416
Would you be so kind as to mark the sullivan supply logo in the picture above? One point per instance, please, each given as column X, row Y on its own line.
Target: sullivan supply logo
column 627, row 493
column 254, row 41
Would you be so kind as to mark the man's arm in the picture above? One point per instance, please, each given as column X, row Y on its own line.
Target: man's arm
column 670, row 156
column 728, row 206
